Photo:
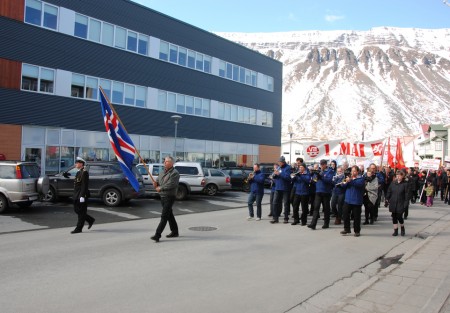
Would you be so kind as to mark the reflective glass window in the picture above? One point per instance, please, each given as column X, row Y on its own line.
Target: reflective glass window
column 117, row 93
column 94, row 30
column 270, row 83
column 129, row 94
column 228, row 112
column 229, row 70
column 222, row 68
column 246, row 115
column 207, row 64
column 234, row 113
column 81, row 26
column 108, row 34
column 191, row 59
column 46, row 80
column 33, row 12
column 253, row 78
column 132, row 41
column 106, row 86
column 143, row 44
column 221, row 111
column 199, row 62
column 164, row 51
column 189, row 105
column 77, row 88
column 162, row 100
column 171, row 102
column 242, row 75
column 269, row 119
column 173, row 54
column 30, row 76
column 50, row 16
column 180, row 104
column 182, row 56
column 240, row 114
column 91, row 88
column 235, row 73
column 141, row 96
column 252, row 116
column 206, row 107
column 198, row 106
column 247, row 77
column 120, row 37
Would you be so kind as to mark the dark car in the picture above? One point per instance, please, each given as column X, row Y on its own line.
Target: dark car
column 106, row 181
column 267, row 170
column 238, row 177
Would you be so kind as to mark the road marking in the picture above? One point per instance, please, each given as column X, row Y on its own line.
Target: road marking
column 155, row 212
column 225, row 204
column 125, row 215
column 186, row 210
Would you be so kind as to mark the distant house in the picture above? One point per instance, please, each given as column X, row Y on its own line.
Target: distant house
column 433, row 143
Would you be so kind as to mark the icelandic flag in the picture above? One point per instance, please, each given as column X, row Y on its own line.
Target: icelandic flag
column 120, row 141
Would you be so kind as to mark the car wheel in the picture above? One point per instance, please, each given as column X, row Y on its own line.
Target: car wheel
column 3, row 204
column 50, row 196
column 246, row 187
column 181, row 192
column 112, row 197
column 24, row 205
column 211, row 190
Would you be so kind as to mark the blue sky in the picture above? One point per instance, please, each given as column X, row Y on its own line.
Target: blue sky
column 295, row 15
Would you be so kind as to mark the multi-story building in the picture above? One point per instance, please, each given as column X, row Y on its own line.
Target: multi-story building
column 55, row 54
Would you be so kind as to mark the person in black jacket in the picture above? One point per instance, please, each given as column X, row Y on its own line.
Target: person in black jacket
column 398, row 196
column 80, row 197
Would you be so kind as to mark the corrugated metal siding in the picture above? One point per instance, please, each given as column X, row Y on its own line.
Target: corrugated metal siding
column 28, row 108
column 55, row 50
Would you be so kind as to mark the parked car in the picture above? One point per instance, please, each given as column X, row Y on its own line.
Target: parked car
column 192, row 179
column 267, row 170
column 106, row 181
column 238, row 177
column 216, row 181
column 154, row 169
column 20, row 184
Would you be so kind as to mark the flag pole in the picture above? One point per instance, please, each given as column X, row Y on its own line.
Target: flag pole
column 120, row 121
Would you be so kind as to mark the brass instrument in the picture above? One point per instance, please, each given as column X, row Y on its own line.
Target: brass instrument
column 249, row 177
column 338, row 176
column 275, row 172
column 344, row 181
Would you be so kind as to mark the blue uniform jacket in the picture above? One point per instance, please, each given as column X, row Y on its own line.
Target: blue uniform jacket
column 325, row 183
column 257, row 183
column 283, row 178
column 354, row 191
column 301, row 183
column 339, row 189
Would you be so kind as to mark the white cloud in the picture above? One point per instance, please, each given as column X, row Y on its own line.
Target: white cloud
column 333, row 18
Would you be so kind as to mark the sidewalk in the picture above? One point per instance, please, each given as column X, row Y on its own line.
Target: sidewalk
column 420, row 282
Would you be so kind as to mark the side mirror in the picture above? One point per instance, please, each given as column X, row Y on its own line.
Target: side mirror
column 66, row 174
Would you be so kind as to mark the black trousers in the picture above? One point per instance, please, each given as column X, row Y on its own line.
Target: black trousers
column 303, row 200
column 356, row 210
column 167, row 216
column 83, row 217
column 282, row 198
column 369, row 209
column 324, row 200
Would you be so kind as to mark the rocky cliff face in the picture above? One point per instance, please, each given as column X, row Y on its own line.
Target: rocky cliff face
column 337, row 84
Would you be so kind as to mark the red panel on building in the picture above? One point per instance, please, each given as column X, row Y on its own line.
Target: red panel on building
column 12, row 8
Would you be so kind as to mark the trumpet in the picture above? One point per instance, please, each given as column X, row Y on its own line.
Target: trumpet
column 344, row 181
column 275, row 172
column 249, row 177
column 338, row 176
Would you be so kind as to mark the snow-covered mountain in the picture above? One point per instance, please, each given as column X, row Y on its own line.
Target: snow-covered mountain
column 385, row 81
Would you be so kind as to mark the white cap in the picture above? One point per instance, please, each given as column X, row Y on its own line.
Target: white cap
column 81, row 160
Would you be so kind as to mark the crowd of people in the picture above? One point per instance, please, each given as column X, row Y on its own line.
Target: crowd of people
column 340, row 192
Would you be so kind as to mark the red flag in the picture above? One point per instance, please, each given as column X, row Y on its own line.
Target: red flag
column 399, row 155
column 390, row 159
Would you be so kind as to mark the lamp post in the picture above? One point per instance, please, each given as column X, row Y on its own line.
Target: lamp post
column 175, row 118
column 290, row 147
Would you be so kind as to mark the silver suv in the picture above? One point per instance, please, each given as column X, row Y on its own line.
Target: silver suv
column 20, row 184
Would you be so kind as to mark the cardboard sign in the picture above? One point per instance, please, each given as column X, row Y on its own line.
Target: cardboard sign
column 430, row 164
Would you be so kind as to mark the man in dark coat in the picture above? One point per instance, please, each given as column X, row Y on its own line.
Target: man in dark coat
column 80, row 196
column 398, row 196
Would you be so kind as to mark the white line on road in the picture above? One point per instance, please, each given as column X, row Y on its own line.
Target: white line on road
column 186, row 210
column 126, row 215
column 155, row 212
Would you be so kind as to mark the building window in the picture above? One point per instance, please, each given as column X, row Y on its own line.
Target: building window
column 141, row 96
column 235, row 73
column 46, row 80
column 199, row 62
column 162, row 100
column 182, row 56
column 108, row 34
column 207, row 64
column 173, row 54
column 106, row 86
column 229, row 71
column 180, row 104
column 117, row 93
column 132, row 41
column 120, row 38
column 171, row 102
column 164, row 51
column 81, row 26
column 44, row 17
column 438, row 145
column 77, row 86
column 95, row 30
column 35, row 78
column 222, row 69
column 206, row 107
column 197, row 106
column 191, row 59
column 91, row 88
column 189, row 105
column 143, row 44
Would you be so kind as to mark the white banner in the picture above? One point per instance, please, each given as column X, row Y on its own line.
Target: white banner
column 430, row 164
column 339, row 150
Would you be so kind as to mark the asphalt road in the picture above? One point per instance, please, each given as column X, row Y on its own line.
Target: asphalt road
column 56, row 215
column 238, row 266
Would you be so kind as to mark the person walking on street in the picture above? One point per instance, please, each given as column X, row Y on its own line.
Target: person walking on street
column 166, row 185
column 370, row 196
column 80, row 196
column 256, row 180
column 301, row 185
column 282, row 177
column 337, row 197
column 398, row 196
column 354, row 189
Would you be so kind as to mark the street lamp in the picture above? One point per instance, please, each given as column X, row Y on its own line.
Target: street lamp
column 290, row 143
column 175, row 118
